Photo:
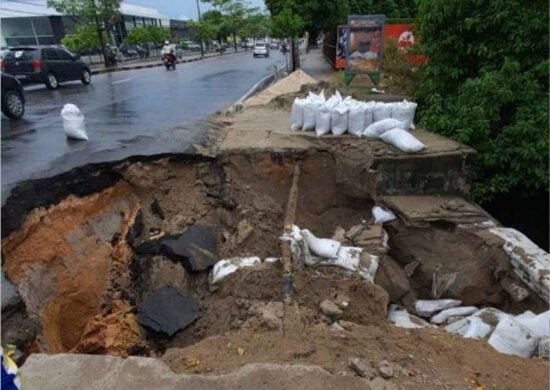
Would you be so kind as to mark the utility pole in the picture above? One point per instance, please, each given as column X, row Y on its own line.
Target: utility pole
column 199, row 14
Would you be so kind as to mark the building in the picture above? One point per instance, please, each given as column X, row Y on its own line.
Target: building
column 31, row 22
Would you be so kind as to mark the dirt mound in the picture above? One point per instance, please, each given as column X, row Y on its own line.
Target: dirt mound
column 420, row 358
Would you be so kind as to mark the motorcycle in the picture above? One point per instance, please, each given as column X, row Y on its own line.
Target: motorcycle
column 169, row 61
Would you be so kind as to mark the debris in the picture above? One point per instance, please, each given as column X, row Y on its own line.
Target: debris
column 512, row 338
column 244, row 229
column 154, row 272
column 403, row 319
column 517, row 292
column 196, row 247
column 531, row 264
column 335, row 327
column 226, row 267
column 354, row 231
column 339, row 234
column 427, row 307
column 385, row 369
column 382, row 216
column 478, row 325
column 392, row 278
column 330, row 309
column 446, row 314
column 166, row 310
column 360, row 368
column 240, row 351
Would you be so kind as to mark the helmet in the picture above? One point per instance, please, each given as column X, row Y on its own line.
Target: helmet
column 166, row 42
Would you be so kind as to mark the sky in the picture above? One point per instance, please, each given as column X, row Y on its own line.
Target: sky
column 183, row 9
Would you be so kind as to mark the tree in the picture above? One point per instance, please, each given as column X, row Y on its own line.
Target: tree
column 138, row 36
column 158, row 34
column 235, row 13
column 286, row 24
column 84, row 38
column 486, row 84
column 218, row 20
column 205, row 31
column 100, row 12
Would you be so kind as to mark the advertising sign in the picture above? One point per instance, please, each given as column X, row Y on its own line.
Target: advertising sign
column 402, row 33
column 341, row 46
column 365, row 44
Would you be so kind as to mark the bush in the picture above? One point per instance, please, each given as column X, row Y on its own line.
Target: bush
column 397, row 71
column 486, row 84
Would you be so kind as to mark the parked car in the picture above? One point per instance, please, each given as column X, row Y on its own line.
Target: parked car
column 13, row 100
column 274, row 45
column 44, row 64
column 260, row 49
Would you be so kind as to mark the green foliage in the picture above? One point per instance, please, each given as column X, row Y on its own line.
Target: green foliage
column 286, row 24
column 397, row 71
column 205, row 31
column 148, row 34
column 486, row 84
column 105, row 10
column 324, row 15
column 85, row 37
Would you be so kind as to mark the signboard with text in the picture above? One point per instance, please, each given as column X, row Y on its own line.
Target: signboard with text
column 365, row 43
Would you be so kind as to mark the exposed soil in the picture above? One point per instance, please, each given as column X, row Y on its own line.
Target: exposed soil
column 75, row 266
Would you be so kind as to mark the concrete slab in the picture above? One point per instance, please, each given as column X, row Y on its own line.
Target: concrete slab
column 92, row 372
column 425, row 209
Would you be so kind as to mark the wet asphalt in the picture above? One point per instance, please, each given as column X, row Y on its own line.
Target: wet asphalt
column 128, row 113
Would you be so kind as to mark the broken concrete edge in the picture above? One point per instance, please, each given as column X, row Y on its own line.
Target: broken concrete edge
column 154, row 65
column 70, row 371
column 80, row 181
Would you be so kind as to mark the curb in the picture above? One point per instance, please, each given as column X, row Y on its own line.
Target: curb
column 259, row 86
column 155, row 64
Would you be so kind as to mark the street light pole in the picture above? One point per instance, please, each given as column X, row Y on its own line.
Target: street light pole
column 199, row 14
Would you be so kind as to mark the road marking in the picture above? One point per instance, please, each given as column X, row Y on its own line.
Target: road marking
column 120, row 81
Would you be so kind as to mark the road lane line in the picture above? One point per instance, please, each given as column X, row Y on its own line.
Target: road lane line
column 120, row 81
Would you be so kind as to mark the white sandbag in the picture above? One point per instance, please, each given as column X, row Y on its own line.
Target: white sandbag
column 444, row 315
column 226, row 267
column 381, row 216
column 403, row 319
column 348, row 257
column 512, row 338
column 381, row 111
column 272, row 260
column 297, row 114
column 368, row 266
column 356, row 119
column 323, row 247
column 404, row 112
column 539, row 325
column 322, row 121
column 376, row 129
column 402, row 140
column 428, row 307
column 528, row 314
column 479, row 325
column 314, row 102
column 369, row 111
column 73, row 122
column 339, row 119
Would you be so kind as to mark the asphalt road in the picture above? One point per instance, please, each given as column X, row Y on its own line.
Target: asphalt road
column 137, row 112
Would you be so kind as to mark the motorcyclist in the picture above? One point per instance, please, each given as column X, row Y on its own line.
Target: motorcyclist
column 168, row 49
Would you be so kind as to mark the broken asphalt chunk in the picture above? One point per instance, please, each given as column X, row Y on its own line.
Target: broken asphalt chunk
column 166, row 310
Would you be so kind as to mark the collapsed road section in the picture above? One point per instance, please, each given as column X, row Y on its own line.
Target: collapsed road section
column 397, row 279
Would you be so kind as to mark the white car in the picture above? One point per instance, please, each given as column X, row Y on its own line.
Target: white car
column 260, row 49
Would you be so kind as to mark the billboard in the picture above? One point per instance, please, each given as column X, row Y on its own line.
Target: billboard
column 365, row 43
column 341, row 46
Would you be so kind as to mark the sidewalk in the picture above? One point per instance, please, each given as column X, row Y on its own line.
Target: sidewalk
column 315, row 65
column 150, row 63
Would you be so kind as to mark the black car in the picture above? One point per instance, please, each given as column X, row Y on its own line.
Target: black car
column 44, row 64
column 13, row 100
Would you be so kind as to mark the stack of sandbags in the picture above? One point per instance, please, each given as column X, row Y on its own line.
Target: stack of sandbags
column 389, row 122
